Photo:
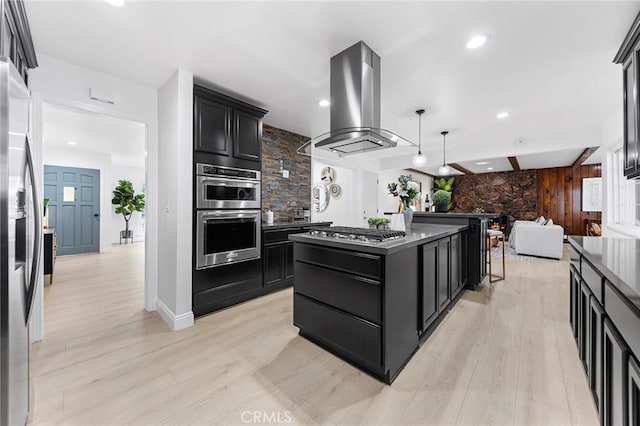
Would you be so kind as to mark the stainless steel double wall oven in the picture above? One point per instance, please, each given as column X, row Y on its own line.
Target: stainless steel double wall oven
column 228, row 216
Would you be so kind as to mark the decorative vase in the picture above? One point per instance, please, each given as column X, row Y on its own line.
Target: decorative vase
column 442, row 208
column 408, row 215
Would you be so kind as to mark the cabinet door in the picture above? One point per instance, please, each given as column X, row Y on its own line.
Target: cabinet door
column 443, row 273
column 583, row 324
column 273, row 264
column 633, row 392
column 455, row 265
column 212, row 126
column 595, row 350
column 615, row 364
column 247, row 136
column 464, row 238
column 630, row 105
column 574, row 286
column 288, row 261
column 429, row 284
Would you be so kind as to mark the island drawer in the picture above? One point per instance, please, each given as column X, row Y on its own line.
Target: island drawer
column 343, row 333
column 356, row 295
column 593, row 279
column 363, row 264
column 624, row 317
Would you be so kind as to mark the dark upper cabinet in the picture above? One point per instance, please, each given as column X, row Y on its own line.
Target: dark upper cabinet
column 15, row 37
column 615, row 353
column 247, row 136
column 633, row 392
column 226, row 131
column 429, row 284
column 628, row 57
column 212, row 126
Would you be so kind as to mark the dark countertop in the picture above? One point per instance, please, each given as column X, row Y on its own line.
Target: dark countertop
column 617, row 258
column 282, row 225
column 471, row 215
column 420, row 233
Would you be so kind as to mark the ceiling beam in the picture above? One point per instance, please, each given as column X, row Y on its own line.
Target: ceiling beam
column 514, row 163
column 421, row 172
column 461, row 169
column 583, row 157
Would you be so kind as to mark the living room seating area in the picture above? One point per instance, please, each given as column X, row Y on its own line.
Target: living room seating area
column 539, row 237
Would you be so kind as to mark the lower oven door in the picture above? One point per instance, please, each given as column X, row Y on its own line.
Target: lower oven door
column 227, row 236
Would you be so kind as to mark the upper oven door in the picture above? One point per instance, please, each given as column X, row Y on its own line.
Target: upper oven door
column 222, row 193
column 227, row 236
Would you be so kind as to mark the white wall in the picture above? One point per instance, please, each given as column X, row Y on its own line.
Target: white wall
column 389, row 203
column 175, row 157
column 136, row 176
column 62, row 83
column 342, row 211
column 89, row 160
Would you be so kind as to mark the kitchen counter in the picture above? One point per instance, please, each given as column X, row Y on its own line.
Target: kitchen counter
column 618, row 259
column 418, row 234
column 283, row 225
column 461, row 215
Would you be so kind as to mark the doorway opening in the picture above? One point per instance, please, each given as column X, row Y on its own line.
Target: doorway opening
column 85, row 156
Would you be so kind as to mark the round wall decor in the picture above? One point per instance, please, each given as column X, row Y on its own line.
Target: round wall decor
column 328, row 174
column 335, row 190
column 320, row 197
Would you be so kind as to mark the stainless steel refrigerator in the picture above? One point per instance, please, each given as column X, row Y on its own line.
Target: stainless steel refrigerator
column 20, row 237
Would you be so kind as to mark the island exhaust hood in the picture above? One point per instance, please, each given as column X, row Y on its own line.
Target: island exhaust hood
column 355, row 104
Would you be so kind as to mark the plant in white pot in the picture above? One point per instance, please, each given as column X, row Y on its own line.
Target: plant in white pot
column 441, row 200
column 127, row 202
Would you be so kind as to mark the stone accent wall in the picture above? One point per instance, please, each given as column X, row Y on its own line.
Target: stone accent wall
column 284, row 196
column 513, row 193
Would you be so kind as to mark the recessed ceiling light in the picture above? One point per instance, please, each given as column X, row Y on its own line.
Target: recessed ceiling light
column 477, row 41
column 489, row 168
column 324, row 103
column 502, row 115
column 118, row 3
column 480, row 163
column 72, row 143
column 520, row 143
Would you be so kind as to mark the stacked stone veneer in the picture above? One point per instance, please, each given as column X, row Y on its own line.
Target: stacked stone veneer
column 284, row 196
column 513, row 193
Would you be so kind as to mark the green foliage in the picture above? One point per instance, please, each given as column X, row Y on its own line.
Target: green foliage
column 126, row 200
column 445, row 184
column 442, row 197
column 378, row 221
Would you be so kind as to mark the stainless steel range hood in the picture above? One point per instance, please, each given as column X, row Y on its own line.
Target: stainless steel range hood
column 355, row 104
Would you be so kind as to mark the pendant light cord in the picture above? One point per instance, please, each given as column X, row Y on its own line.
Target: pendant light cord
column 444, row 134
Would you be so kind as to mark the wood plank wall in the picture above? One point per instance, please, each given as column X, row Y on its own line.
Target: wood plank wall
column 560, row 196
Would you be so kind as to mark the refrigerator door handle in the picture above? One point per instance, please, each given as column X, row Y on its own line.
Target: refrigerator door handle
column 35, row 263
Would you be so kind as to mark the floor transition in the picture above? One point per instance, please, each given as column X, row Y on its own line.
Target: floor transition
column 504, row 355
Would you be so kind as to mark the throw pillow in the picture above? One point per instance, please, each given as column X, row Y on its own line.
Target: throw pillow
column 548, row 222
column 539, row 220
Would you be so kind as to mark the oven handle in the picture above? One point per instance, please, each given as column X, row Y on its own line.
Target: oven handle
column 230, row 214
column 240, row 183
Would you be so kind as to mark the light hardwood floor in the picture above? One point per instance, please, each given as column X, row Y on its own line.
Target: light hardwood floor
column 504, row 355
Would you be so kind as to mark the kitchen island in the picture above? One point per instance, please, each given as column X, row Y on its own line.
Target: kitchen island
column 371, row 303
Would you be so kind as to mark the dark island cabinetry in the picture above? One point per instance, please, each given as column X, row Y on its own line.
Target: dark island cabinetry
column 629, row 57
column 605, row 319
column 371, row 305
column 226, row 132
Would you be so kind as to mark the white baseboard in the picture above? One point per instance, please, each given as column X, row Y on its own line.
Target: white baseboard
column 175, row 322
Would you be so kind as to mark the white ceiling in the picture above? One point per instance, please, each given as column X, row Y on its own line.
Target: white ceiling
column 124, row 140
column 547, row 63
column 496, row 164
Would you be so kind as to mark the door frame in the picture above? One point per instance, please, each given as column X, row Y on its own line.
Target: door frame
column 151, row 182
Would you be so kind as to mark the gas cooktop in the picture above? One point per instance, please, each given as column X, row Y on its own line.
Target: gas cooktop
column 356, row 234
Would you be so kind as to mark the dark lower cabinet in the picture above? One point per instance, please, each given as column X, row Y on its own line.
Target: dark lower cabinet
column 594, row 357
column 455, row 265
column 583, row 324
column 429, row 284
column 633, row 392
column 443, row 273
column 614, row 369
column 273, row 261
column 574, row 291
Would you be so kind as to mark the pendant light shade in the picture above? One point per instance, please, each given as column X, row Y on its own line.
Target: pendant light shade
column 419, row 159
column 444, row 169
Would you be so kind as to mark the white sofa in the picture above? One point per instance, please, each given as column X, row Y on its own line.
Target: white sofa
column 535, row 239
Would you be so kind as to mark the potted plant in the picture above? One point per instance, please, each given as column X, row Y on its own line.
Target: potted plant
column 126, row 202
column 441, row 200
column 407, row 190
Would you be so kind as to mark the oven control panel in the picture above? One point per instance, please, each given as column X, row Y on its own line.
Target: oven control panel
column 211, row 170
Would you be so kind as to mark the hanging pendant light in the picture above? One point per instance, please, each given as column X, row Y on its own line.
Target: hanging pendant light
column 444, row 169
column 419, row 159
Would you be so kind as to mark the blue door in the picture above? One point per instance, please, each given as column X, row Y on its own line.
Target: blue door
column 74, row 208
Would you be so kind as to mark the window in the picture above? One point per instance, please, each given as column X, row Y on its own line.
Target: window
column 626, row 194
